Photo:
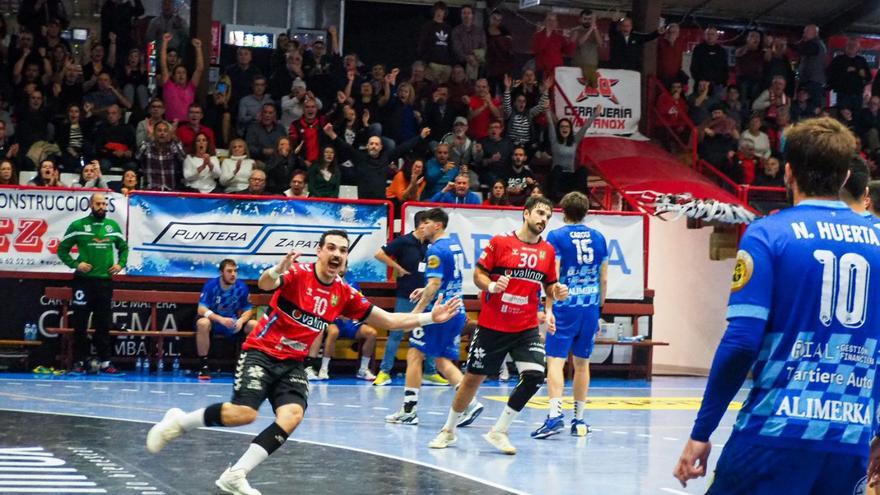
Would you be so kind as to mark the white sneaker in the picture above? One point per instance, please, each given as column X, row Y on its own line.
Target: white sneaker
column 470, row 414
column 402, row 417
column 310, row 374
column 323, row 374
column 366, row 374
column 443, row 439
column 165, row 431
column 504, row 374
column 500, row 441
column 234, row 482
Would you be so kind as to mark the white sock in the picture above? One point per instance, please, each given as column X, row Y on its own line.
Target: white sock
column 555, row 407
column 251, row 458
column 325, row 363
column 193, row 420
column 410, row 398
column 365, row 363
column 504, row 421
column 579, row 409
column 452, row 420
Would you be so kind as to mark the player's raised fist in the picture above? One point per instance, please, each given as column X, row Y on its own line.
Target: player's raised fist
column 499, row 285
column 560, row 292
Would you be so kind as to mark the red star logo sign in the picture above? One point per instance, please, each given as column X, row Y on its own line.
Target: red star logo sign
column 604, row 89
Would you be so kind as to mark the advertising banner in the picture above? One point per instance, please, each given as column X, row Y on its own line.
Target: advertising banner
column 474, row 226
column 618, row 91
column 33, row 221
column 188, row 235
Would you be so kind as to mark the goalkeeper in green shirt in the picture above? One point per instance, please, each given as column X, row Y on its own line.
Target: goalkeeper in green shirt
column 96, row 237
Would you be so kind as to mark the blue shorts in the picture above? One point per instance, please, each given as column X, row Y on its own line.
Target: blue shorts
column 440, row 339
column 348, row 329
column 576, row 330
column 753, row 469
column 220, row 330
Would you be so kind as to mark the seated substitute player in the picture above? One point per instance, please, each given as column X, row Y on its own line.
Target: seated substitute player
column 582, row 263
column 224, row 309
column 802, row 317
column 346, row 328
column 444, row 265
column 308, row 297
column 508, row 272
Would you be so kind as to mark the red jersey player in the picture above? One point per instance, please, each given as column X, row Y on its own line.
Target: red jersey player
column 507, row 272
column 309, row 297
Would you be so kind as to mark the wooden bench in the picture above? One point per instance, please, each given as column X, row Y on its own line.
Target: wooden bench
column 642, row 363
column 24, row 346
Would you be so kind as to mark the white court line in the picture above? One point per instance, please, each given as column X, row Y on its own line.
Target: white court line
column 43, row 385
column 676, row 492
column 435, row 413
column 643, row 435
column 620, row 432
column 100, row 388
column 129, row 390
column 377, row 408
column 326, row 404
column 353, row 406
column 215, row 396
column 596, row 429
column 157, row 391
column 185, row 393
column 310, row 442
column 13, row 383
column 671, row 439
column 73, row 386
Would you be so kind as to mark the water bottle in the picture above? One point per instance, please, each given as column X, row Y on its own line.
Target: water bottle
column 30, row 331
column 139, row 364
column 175, row 366
column 160, row 366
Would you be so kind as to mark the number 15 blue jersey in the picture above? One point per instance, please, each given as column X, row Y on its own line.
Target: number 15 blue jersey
column 581, row 252
column 812, row 272
column 445, row 260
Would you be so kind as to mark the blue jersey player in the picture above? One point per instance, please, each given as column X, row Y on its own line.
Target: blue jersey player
column 223, row 309
column 803, row 318
column 582, row 263
column 444, row 264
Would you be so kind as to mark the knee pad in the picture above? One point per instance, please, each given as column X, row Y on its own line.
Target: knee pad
column 530, row 382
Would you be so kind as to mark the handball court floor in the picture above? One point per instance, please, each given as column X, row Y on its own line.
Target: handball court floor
column 65, row 434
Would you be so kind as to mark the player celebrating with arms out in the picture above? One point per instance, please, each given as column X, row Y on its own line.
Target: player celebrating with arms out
column 803, row 317
column 445, row 263
column 507, row 272
column 308, row 298
column 582, row 262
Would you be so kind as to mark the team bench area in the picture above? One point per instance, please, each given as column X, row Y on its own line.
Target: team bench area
column 639, row 367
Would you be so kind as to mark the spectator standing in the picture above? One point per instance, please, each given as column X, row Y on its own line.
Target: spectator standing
column 201, row 168
column 105, row 94
column 250, row 107
column 324, row 176
column 96, row 237
column 34, row 14
column 132, row 78
column 281, row 80
column 750, row 66
column 293, row 103
column 162, row 159
column 672, row 109
column 709, row 62
column 155, row 114
column 848, row 74
column 439, row 170
column 441, row 113
column 178, row 92
column 777, row 63
column 519, row 178
column 811, row 70
column 499, row 51
column 670, row 51
column 458, row 192
column 700, row 101
column 217, row 113
column 496, row 152
column 262, row 136
column 626, row 45
column 566, row 176
column 117, row 16
column 169, row 22
column 469, row 43
column 550, row 46
column 462, row 149
column 235, row 171
column 305, row 133
column 519, row 119
column 281, row 166
column 241, row 76
column 718, row 135
column 403, row 118
column 434, row 44
column 482, row 108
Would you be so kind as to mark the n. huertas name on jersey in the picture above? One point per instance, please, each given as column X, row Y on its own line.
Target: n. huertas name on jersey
column 840, row 232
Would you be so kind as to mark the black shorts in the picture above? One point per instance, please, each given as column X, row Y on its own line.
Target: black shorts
column 259, row 376
column 489, row 347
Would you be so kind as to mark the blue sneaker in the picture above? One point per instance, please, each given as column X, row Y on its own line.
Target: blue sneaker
column 579, row 428
column 551, row 426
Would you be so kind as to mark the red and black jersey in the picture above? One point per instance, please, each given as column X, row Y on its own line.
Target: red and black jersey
column 529, row 266
column 300, row 309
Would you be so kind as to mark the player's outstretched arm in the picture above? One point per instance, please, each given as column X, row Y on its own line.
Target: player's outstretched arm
column 270, row 279
column 442, row 312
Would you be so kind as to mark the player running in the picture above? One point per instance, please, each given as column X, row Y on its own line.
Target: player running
column 802, row 316
column 582, row 262
column 444, row 266
column 309, row 297
column 508, row 272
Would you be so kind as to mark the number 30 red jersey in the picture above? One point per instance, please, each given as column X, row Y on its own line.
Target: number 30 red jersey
column 301, row 308
column 529, row 266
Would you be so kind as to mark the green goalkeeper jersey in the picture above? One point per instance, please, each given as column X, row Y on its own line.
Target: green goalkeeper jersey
column 95, row 240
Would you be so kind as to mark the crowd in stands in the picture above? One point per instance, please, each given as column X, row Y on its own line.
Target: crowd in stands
column 458, row 124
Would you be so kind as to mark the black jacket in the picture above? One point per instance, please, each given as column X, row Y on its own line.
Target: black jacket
column 709, row 63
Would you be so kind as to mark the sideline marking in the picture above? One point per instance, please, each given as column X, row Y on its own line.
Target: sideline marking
column 623, row 403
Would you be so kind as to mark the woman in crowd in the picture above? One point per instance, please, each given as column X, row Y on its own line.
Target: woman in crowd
column 408, row 183
column 133, row 80
column 90, row 177
column 235, row 171
column 201, row 168
column 74, row 138
column 498, row 195
column 753, row 134
column 48, row 175
column 403, row 118
column 323, row 176
column 7, row 173
column 131, row 181
column 177, row 91
column 280, row 166
column 566, row 176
